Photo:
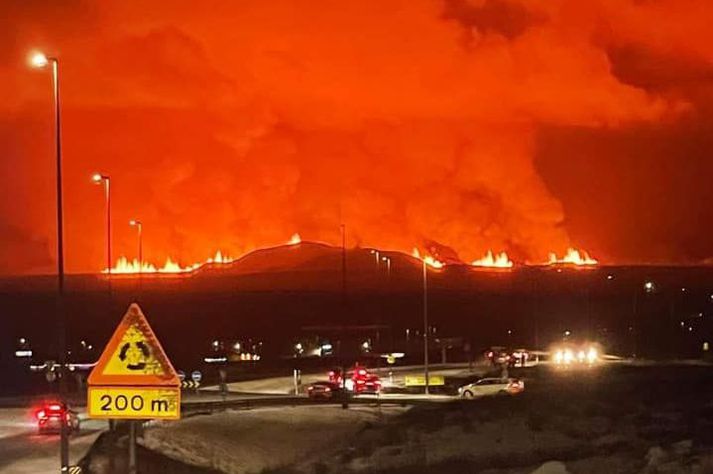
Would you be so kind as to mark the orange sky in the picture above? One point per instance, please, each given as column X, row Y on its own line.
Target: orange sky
column 517, row 125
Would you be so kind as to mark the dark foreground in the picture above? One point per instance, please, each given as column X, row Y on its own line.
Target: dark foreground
column 614, row 419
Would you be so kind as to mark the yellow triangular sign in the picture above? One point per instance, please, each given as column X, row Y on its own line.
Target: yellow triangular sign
column 133, row 356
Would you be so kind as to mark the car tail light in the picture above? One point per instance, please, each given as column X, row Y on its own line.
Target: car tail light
column 490, row 354
column 41, row 415
column 327, row 389
column 55, row 407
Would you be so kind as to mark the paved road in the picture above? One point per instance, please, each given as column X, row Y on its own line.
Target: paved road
column 23, row 451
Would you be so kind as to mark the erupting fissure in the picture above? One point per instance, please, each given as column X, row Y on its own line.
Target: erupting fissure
column 500, row 260
column 428, row 260
column 573, row 257
column 125, row 266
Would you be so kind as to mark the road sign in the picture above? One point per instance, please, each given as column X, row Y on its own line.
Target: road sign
column 190, row 384
column 134, row 356
column 181, row 375
column 196, row 376
column 158, row 403
column 133, row 377
column 420, row 380
column 74, row 470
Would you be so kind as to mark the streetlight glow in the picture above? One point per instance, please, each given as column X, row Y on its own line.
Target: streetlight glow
column 38, row 60
column 97, row 178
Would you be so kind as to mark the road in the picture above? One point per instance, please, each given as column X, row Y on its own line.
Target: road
column 23, row 451
column 390, row 377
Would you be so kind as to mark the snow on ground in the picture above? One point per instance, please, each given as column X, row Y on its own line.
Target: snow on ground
column 251, row 441
column 15, row 421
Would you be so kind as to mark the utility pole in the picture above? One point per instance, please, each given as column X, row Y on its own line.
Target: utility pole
column 345, row 395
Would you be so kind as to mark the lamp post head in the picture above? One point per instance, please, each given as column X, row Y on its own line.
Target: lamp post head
column 38, row 60
column 134, row 222
column 97, row 178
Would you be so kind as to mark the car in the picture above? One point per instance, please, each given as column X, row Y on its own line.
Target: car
column 323, row 390
column 50, row 417
column 358, row 380
column 492, row 386
column 367, row 384
column 520, row 357
column 498, row 355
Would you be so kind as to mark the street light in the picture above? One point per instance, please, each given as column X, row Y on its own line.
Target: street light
column 140, row 227
column 39, row 60
column 388, row 265
column 375, row 253
column 99, row 178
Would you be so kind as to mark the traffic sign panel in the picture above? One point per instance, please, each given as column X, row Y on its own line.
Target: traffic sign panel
column 196, row 376
column 135, row 402
column 133, row 378
column 134, row 356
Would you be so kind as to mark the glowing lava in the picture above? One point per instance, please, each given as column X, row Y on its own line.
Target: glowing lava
column 125, row 266
column 428, row 260
column 573, row 257
column 500, row 260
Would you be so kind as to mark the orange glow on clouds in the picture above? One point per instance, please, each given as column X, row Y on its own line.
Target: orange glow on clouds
column 414, row 122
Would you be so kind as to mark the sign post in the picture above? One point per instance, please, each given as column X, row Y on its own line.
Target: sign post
column 133, row 379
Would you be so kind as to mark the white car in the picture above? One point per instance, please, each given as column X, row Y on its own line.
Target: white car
column 492, row 386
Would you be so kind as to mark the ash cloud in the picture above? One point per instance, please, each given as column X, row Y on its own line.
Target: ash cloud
column 416, row 123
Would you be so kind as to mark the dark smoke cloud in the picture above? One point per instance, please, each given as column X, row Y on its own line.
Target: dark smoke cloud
column 444, row 124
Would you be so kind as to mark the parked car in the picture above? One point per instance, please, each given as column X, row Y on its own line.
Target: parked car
column 50, row 417
column 492, row 386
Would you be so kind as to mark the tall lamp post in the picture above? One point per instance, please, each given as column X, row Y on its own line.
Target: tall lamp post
column 387, row 260
column 140, row 227
column 99, row 178
column 425, row 325
column 39, row 60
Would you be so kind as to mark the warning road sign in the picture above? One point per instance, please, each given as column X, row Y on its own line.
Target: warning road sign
column 134, row 356
column 133, row 377
column 134, row 402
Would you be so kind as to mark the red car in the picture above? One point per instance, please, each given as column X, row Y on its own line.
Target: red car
column 51, row 416
column 358, row 380
column 368, row 384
